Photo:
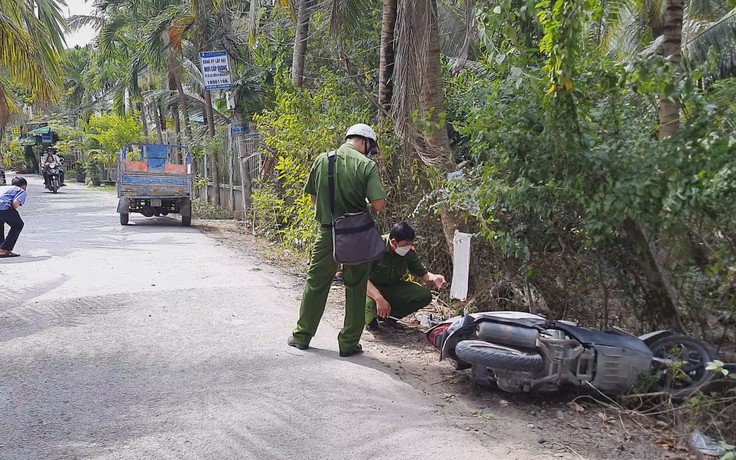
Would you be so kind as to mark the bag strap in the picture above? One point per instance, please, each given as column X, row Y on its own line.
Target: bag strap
column 331, row 158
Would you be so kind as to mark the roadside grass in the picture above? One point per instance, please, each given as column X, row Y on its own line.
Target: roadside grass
column 203, row 210
column 109, row 188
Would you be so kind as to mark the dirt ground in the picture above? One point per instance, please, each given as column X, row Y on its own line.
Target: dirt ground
column 563, row 426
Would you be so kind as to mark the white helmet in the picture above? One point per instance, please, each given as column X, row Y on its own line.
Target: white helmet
column 362, row 130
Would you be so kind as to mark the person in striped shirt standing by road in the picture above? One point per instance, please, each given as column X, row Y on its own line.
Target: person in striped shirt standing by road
column 12, row 197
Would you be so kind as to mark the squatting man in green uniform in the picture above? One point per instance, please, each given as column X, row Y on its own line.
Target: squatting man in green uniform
column 356, row 179
column 389, row 294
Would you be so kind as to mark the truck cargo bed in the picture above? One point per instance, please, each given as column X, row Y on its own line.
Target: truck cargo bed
column 138, row 185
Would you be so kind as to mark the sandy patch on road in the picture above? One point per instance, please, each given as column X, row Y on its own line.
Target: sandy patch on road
column 558, row 426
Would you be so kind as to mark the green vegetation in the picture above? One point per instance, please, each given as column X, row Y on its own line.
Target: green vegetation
column 31, row 37
column 111, row 133
column 14, row 157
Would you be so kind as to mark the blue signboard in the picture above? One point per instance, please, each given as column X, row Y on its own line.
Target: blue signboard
column 215, row 70
column 46, row 138
column 239, row 128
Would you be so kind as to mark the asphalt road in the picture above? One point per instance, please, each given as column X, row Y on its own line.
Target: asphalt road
column 152, row 341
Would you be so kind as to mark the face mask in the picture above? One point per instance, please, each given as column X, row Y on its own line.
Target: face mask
column 403, row 250
column 372, row 148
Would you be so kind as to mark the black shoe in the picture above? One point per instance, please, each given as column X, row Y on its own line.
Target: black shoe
column 373, row 326
column 393, row 324
column 293, row 343
column 355, row 351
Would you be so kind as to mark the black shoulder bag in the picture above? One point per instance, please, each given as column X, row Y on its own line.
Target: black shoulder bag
column 355, row 237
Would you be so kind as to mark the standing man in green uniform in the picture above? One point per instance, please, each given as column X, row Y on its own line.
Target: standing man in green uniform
column 389, row 295
column 356, row 179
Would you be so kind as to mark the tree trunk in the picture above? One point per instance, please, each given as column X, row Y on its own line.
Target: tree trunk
column 300, row 43
column 662, row 294
column 142, row 111
column 246, row 183
column 431, row 97
column 5, row 108
column 175, row 109
column 175, row 83
column 184, row 105
column 161, row 116
column 177, row 123
column 387, row 60
column 160, row 122
column 242, row 154
column 432, row 108
column 465, row 52
column 669, row 110
column 209, row 113
column 418, row 88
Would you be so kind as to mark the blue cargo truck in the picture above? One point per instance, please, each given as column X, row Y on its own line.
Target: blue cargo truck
column 155, row 180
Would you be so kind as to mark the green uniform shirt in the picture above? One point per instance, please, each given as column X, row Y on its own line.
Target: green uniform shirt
column 356, row 178
column 392, row 268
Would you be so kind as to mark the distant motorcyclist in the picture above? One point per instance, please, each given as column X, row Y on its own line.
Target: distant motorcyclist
column 51, row 159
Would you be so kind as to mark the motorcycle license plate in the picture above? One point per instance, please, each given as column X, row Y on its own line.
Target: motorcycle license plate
column 156, row 202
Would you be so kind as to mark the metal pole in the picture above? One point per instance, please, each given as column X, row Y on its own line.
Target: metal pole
column 230, row 152
column 243, row 172
column 206, row 180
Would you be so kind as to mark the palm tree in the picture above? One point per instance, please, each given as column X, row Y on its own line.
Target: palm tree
column 201, row 17
column 387, row 57
column 418, row 77
column 630, row 25
column 118, row 23
column 76, row 68
column 626, row 29
column 136, row 34
column 669, row 110
column 300, row 42
column 31, row 41
column 718, row 36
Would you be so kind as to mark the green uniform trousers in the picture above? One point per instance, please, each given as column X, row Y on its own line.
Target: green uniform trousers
column 319, row 280
column 404, row 297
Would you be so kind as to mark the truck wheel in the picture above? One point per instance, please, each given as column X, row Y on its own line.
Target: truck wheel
column 124, row 216
column 186, row 213
column 496, row 356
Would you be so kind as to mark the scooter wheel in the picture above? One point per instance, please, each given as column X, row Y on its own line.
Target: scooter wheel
column 683, row 371
column 124, row 216
column 496, row 356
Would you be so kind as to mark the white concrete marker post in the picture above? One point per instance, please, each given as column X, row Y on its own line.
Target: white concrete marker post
column 460, row 265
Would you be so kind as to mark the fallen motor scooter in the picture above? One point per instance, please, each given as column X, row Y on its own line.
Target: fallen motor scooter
column 522, row 352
